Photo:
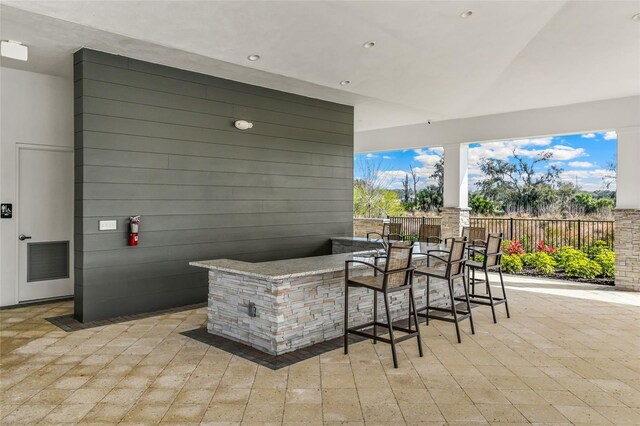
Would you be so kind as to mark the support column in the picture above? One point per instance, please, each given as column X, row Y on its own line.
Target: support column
column 627, row 212
column 455, row 213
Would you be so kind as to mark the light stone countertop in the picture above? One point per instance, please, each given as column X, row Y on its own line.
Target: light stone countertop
column 300, row 267
column 287, row 268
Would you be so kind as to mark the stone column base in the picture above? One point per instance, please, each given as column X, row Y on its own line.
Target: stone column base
column 453, row 220
column 627, row 247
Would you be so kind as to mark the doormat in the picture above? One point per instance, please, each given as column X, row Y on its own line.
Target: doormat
column 68, row 323
column 274, row 362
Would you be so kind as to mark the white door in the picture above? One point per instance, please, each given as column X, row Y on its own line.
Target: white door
column 45, row 222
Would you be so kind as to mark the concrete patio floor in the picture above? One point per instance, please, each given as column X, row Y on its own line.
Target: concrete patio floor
column 570, row 354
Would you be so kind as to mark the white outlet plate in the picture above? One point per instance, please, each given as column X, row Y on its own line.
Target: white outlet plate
column 108, row 225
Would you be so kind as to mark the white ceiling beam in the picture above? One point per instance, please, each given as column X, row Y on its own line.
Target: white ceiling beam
column 568, row 119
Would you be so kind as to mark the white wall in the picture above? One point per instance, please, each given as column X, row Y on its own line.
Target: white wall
column 35, row 109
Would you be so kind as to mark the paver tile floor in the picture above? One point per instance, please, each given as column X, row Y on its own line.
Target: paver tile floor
column 570, row 354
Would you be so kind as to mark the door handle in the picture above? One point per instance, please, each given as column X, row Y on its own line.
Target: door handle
column 23, row 237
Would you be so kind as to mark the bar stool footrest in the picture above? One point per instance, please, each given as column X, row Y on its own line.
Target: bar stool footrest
column 461, row 314
column 357, row 330
column 484, row 300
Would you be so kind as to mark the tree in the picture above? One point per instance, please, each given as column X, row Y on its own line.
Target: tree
column 368, row 189
column 438, row 174
column 591, row 205
column 370, row 198
column 416, row 179
column 518, row 186
column 429, row 199
column 407, row 191
column 481, row 205
column 610, row 178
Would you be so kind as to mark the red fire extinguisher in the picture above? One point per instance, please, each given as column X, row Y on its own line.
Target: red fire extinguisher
column 134, row 224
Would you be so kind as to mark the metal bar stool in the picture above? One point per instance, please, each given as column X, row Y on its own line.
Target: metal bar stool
column 491, row 262
column 454, row 268
column 429, row 234
column 397, row 275
column 390, row 231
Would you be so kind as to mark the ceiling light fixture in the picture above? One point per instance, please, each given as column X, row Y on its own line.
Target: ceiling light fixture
column 636, row 17
column 14, row 50
column 466, row 14
column 253, row 58
column 369, row 44
column 345, row 82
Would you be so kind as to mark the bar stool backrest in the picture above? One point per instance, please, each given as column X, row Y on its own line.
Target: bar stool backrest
column 398, row 258
column 474, row 233
column 492, row 251
column 427, row 231
column 389, row 228
column 457, row 253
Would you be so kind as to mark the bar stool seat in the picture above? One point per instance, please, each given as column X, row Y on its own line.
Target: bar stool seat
column 372, row 282
column 474, row 264
column 431, row 271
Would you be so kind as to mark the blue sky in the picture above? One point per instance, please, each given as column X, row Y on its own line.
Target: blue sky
column 584, row 158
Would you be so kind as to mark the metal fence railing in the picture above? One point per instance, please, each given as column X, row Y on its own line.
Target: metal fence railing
column 411, row 225
column 578, row 233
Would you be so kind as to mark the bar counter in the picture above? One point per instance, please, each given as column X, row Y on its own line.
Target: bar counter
column 298, row 302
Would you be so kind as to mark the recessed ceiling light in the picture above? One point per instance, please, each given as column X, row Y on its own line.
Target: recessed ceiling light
column 369, row 44
column 466, row 14
column 636, row 17
column 345, row 82
column 253, row 58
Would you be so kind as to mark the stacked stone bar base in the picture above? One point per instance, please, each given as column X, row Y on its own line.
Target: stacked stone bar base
column 453, row 220
column 302, row 311
column 627, row 249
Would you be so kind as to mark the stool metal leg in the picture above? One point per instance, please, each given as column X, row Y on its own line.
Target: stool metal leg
column 375, row 315
column 428, row 300
column 466, row 295
column 389, row 322
column 504, row 293
column 454, row 313
column 493, row 308
column 346, row 317
column 473, row 280
column 412, row 307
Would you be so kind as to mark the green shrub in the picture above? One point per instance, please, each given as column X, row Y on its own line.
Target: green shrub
column 568, row 254
column 597, row 248
column 606, row 259
column 527, row 260
column 410, row 237
column 582, row 268
column 511, row 263
column 542, row 262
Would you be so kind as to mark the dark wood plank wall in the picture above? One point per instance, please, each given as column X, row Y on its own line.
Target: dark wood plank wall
column 160, row 142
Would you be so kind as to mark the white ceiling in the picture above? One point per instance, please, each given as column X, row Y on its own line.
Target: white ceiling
column 428, row 63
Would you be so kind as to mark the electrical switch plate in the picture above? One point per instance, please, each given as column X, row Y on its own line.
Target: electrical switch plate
column 108, row 225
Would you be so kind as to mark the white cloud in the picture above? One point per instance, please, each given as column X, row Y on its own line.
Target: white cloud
column 589, row 135
column 371, row 155
column 523, row 147
column 386, row 157
column 581, row 164
column 585, row 174
column 610, row 136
